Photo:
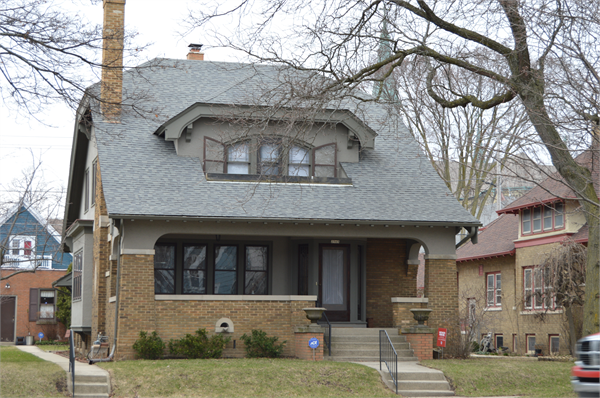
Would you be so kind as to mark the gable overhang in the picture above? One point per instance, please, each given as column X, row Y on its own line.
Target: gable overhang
column 14, row 212
column 487, row 256
column 517, row 209
column 174, row 127
column 81, row 136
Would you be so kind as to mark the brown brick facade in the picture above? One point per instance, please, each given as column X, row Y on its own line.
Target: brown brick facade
column 101, row 262
column 303, row 351
column 422, row 344
column 442, row 291
column 387, row 276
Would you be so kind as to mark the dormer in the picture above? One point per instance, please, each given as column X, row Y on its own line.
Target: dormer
column 237, row 143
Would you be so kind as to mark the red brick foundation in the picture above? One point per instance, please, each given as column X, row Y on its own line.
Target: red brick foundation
column 421, row 341
column 303, row 351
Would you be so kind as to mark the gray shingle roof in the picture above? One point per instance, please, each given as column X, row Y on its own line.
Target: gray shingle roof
column 143, row 175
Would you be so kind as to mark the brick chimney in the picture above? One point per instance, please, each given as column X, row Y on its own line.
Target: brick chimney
column 112, row 59
column 195, row 53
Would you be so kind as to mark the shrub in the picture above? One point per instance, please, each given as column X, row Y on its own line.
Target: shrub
column 149, row 347
column 199, row 345
column 260, row 346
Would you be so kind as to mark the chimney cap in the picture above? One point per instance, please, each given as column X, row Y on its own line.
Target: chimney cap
column 195, row 46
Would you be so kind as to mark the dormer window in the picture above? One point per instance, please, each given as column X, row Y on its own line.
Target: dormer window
column 238, row 158
column 299, row 162
column 542, row 219
column 271, row 158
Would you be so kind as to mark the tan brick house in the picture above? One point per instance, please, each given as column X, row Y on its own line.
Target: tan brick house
column 198, row 216
column 499, row 275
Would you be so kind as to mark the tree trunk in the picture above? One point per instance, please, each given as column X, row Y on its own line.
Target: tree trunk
column 580, row 180
column 572, row 336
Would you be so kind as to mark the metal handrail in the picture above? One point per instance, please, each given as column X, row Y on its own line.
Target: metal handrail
column 387, row 354
column 328, row 338
column 72, row 361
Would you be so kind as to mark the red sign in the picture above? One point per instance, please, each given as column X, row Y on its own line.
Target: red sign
column 441, row 338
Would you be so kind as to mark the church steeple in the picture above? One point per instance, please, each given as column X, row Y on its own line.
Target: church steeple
column 385, row 90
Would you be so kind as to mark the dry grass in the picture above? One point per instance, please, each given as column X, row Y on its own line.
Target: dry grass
column 25, row 375
column 54, row 347
column 244, row 378
column 506, row 376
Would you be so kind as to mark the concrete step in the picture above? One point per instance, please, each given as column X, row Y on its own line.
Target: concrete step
column 362, row 331
column 419, row 385
column 368, row 345
column 425, row 393
column 407, row 376
column 89, row 386
column 371, row 358
column 362, row 352
column 365, row 339
column 77, row 395
column 90, row 378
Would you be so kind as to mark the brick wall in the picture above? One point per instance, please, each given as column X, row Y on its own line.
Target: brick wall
column 402, row 316
column 112, row 58
column 303, row 351
column 387, row 276
column 442, row 292
column 422, row 344
column 101, row 262
column 173, row 319
column 19, row 287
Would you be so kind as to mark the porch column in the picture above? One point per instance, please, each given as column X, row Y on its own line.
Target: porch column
column 442, row 291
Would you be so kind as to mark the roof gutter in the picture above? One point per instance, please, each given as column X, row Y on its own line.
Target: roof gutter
column 472, row 235
column 431, row 224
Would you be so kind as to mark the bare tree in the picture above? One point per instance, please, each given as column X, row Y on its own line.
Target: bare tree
column 49, row 54
column 26, row 212
column 539, row 51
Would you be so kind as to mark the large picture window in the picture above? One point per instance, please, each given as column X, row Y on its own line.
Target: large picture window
column 211, row 268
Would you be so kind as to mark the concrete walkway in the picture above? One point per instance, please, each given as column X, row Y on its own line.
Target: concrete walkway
column 80, row 368
column 413, row 367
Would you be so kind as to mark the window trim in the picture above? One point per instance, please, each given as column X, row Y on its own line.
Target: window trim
column 210, row 264
column 542, row 208
column 550, row 337
column 93, row 177
column 175, row 258
column 527, row 348
column 532, row 270
column 86, row 190
column 77, row 276
column 495, row 289
column 335, row 162
column 500, row 335
column 183, row 269
column 245, row 270
column 39, row 317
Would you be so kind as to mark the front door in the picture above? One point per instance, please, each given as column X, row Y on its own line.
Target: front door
column 7, row 321
column 334, row 281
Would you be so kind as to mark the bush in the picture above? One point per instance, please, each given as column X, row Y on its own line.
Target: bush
column 260, row 346
column 48, row 342
column 149, row 347
column 199, row 345
column 474, row 346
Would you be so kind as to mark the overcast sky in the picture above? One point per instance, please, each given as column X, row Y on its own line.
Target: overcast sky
column 157, row 22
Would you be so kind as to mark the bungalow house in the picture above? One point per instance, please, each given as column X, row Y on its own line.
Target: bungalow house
column 210, row 213
column 498, row 277
column 29, row 242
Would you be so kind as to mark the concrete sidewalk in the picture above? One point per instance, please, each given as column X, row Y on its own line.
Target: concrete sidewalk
column 81, row 369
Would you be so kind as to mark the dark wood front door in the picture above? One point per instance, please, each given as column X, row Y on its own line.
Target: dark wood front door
column 7, row 321
column 334, row 281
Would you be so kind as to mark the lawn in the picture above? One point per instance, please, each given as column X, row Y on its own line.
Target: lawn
column 243, row 378
column 25, row 375
column 506, row 376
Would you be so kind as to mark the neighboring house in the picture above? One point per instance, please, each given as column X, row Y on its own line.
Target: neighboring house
column 176, row 224
column 499, row 272
column 28, row 300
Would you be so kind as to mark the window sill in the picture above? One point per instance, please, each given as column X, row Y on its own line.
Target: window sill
column 232, row 297
column 493, row 309
column 218, row 177
column 540, row 311
column 46, row 322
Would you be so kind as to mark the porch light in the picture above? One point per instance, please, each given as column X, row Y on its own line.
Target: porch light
column 7, row 285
